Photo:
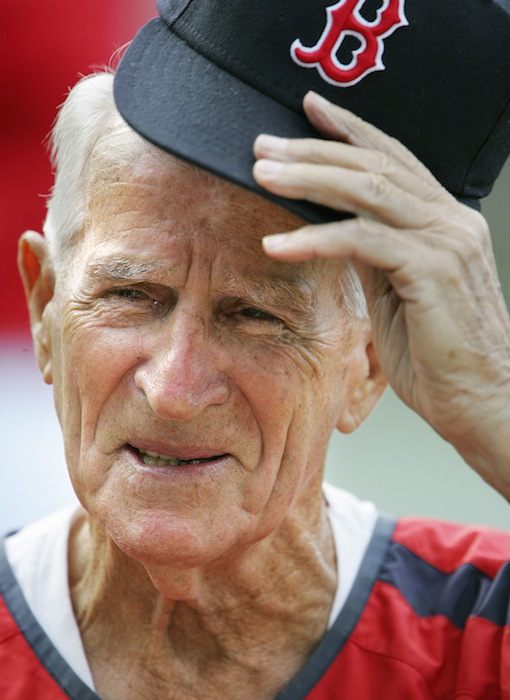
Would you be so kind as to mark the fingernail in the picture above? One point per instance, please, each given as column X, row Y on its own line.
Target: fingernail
column 275, row 242
column 272, row 143
column 268, row 168
column 318, row 98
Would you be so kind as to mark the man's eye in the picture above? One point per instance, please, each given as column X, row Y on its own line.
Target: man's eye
column 258, row 315
column 127, row 293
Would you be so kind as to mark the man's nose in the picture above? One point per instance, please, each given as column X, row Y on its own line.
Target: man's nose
column 182, row 376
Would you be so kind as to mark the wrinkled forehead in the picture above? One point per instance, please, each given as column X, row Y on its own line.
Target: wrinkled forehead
column 120, row 155
column 126, row 174
column 118, row 152
column 131, row 182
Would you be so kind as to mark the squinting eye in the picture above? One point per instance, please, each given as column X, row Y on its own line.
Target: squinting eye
column 127, row 293
column 259, row 315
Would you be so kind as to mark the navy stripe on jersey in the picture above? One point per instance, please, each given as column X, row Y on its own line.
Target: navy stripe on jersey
column 458, row 595
column 495, row 607
column 36, row 637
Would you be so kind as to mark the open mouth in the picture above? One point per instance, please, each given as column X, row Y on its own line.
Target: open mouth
column 154, row 459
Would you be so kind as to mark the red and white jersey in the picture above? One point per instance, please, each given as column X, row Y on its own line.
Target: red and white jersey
column 427, row 617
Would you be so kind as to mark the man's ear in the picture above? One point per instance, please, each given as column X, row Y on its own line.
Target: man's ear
column 38, row 280
column 365, row 381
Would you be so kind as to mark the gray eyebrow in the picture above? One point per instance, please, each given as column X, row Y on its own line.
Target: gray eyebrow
column 122, row 269
column 293, row 293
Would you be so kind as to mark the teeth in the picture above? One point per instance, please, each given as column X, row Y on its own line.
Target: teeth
column 153, row 459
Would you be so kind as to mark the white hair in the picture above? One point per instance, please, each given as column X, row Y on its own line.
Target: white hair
column 83, row 118
column 81, row 121
column 352, row 292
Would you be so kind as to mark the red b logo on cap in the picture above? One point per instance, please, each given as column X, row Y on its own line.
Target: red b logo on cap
column 344, row 20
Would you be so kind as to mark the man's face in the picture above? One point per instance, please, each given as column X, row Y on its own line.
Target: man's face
column 197, row 381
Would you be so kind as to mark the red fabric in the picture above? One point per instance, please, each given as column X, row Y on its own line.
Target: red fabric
column 44, row 46
column 447, row 546
column 394, row 653
column 22, row 677
column 391, row 653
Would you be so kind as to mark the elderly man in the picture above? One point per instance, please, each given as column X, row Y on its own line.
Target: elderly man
column 201, row 358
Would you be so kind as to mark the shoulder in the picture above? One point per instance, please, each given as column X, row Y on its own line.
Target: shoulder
column 39, row 638
column 439, row 608
column 448, row 546
column 458, row 572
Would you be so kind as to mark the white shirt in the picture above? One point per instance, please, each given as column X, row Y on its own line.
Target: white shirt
column 38, row 555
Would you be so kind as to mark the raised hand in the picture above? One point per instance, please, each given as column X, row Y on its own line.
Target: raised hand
column 440, row 324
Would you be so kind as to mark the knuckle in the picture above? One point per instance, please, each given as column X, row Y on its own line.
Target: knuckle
column 474, row 238
column 383, row 163
column 480, row 227
column 377, row 187
column 465, row 251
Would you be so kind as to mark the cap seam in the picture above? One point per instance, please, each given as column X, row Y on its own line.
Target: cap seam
column 175, row 15
column 193, row 33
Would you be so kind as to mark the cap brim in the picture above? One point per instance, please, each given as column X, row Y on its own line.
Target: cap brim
column 185, row 104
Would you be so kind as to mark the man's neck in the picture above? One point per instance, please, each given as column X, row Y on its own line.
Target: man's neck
column 250, row 620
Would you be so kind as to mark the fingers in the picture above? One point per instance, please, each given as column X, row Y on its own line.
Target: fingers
column 366, row 172
column 340, row 154
column 382, row 246
column 406, row 225
column 338, row 123
column 367, row 242
column 421, row 269
column 439, row 321
column 320, row 151
column 395, row 199
column 335, row 122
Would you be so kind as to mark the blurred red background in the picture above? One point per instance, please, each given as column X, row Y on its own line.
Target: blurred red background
column 44, row 47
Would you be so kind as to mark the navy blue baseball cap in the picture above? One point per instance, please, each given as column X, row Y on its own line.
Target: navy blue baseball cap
column 203, row 79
